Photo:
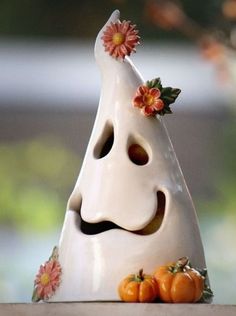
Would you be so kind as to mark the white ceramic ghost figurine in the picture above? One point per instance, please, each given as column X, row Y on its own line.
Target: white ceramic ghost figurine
column 124, row 214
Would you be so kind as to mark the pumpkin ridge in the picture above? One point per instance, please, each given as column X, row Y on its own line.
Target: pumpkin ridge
column 152, row 282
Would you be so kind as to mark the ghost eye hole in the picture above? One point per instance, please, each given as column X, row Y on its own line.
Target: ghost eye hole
column 138, row 154
column 105, row 142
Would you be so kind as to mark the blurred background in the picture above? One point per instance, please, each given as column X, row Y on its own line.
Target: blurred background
column 49, row 92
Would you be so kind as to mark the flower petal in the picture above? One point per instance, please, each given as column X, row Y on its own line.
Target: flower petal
column 155, row 92
column 124, row 27
column 138, row 101
column 148, row 110
column 158, row 105
column 142, row 90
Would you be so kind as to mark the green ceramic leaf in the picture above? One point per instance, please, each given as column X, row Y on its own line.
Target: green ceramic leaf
column 169, row 94
column 154, row 83
column 166, row 110
column 35, row 297
column 54, row 254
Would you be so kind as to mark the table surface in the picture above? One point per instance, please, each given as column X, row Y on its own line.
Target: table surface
column 115, row 309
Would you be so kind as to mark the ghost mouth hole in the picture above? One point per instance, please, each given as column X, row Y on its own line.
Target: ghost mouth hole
column 156, row 222
column 105, row 142
column 97, row 228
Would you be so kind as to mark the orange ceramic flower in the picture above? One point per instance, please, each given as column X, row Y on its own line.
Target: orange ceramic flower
column 148, row 100
column 120, row 39
column 48, row 278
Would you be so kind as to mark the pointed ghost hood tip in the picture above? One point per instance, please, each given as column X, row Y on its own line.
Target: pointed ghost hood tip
column 99, row 48
column 117, row 39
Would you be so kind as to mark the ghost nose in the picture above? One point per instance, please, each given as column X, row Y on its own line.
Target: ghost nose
column 151, row 227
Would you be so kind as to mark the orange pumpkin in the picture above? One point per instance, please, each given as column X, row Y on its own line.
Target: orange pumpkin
column 138, row 288
column 179, row 283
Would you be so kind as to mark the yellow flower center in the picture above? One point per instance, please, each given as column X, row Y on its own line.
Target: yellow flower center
column 148, row 99
column 45, row 279
column 118, row 38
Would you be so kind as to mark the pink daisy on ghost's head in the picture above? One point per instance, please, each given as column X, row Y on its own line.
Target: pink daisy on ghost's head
column 148, row 100
column 120, row 39
column 47, row 280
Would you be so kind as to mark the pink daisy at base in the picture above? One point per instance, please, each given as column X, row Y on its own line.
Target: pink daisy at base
column 47, row 280
column 148, row 100
column 120, row 39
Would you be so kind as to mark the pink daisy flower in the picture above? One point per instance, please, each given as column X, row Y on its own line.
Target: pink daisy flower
column 120, row 39
column 148, row 100
column 47, row 280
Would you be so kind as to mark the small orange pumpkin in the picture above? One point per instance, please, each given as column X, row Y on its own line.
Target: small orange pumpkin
column 138, row 288
column 179, row 283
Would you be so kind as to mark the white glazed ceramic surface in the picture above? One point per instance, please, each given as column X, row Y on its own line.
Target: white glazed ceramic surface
column 115, row 189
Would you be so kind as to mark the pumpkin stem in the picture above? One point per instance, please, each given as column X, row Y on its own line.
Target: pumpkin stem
column 140, row 276
column 180, row 264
